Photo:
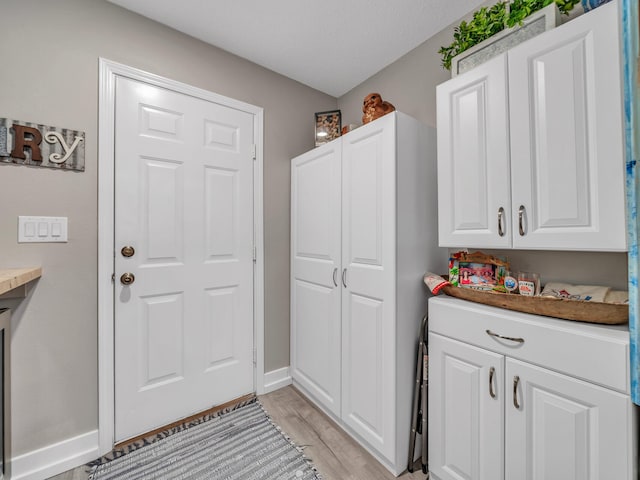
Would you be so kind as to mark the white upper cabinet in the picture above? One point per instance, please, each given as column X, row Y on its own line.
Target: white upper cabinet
column 551, row 175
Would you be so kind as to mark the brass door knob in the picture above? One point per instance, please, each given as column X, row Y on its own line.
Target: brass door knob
column 127, row 278
column 127, row 251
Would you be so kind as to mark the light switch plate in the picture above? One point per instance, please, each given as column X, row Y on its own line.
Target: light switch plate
column 42, row 229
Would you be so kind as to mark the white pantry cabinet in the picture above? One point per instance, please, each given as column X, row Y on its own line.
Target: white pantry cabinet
column 363, row 211
column 530, row 144
column 514, row 396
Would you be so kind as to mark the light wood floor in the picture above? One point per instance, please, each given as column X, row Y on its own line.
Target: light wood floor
column 333, row 452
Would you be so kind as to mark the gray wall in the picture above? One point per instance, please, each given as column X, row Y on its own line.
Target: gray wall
column 409, row 84
column 49, row 53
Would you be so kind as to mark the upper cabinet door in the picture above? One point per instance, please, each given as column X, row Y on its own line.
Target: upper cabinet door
column 474, row 206
column 315, row 268
column 567, row 163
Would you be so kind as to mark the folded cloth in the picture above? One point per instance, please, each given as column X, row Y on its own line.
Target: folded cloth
column 617, row 296
column 591, row 293
column 435, row 282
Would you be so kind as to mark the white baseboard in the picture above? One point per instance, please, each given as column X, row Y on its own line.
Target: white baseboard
column 57, row 458
column 276, row 379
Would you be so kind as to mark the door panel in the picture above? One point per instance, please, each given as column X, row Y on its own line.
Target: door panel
column 564, row 428
column 365, row 204
column 184, row 201
column 315, row 265
column 220, row 310
column 368, row 298
column 466, row 436
column 161, row 341
column 473, row 158
column 365, row 358
column 162, row 183
column 220, row 213
column 566, row 137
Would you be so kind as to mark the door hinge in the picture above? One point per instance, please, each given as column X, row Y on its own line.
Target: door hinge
column 255, row 356
column 253, row 151
column 255, row 254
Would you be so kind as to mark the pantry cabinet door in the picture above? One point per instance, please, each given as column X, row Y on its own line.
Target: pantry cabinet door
column 315, row 268
column 561, row 428
column 474, row 203
column 368, row 276
column 466, row 411
column 567, row 162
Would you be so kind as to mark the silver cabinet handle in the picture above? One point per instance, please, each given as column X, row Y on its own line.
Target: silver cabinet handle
column 516, row 381
column 344, row 277
column 492, row 372
column 335, row 277
column 512, row 339
column 521, row 214
column 501, row 231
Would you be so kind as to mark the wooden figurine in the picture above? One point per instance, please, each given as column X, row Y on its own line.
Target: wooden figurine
column 374, row 107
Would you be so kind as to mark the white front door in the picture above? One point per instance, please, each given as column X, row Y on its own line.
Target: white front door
column 184, row 203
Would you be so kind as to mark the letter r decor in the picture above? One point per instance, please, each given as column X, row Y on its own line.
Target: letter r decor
column 26, row 137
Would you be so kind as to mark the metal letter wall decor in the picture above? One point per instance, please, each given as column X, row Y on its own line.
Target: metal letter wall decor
column 37, row 145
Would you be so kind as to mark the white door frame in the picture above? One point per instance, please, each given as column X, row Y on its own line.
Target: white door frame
column 106, row 135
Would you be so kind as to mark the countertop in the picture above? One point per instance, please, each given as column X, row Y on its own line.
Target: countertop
column 11, row 278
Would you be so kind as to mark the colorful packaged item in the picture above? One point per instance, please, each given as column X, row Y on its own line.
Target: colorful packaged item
column 477, row 270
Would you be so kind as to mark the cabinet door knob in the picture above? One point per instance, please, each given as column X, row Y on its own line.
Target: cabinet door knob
column 516, row 381
column 501, row 231
column 521, row 220
column 492, row 372
column 344, row 277
column 335, row 277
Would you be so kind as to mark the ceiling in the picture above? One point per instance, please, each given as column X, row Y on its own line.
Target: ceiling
column 330, row 45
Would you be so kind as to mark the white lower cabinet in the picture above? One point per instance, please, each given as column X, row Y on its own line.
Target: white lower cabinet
column 520, row 397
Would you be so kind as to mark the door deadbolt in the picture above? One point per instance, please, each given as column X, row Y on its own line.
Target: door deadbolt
column 127, row 251
column 127, row 278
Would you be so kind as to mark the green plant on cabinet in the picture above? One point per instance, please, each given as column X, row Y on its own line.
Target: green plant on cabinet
column 487, row 21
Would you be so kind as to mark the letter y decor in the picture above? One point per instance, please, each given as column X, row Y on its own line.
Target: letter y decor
column 36, row 145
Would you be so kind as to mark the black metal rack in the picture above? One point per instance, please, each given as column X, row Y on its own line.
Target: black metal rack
column 419, row 416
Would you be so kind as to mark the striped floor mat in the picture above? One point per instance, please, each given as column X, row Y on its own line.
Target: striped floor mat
column 239, row 445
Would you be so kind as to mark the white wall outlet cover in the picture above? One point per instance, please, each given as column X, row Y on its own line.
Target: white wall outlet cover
column 42, row 229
